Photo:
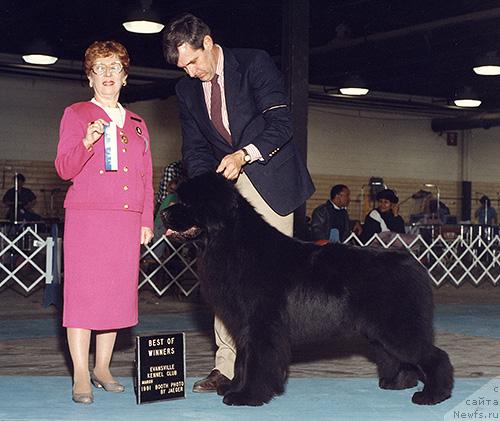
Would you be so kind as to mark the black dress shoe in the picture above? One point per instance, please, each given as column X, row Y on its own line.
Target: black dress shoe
column 211, row 382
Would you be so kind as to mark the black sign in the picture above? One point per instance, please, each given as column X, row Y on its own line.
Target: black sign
column 160, row 364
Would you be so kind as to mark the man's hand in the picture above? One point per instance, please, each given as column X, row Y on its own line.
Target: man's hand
column 357, row 228
column 230, row 166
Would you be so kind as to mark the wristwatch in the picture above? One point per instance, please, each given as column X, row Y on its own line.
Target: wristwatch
column 247, row 158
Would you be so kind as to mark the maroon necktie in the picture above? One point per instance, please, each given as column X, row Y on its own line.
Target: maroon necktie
column 216, row 110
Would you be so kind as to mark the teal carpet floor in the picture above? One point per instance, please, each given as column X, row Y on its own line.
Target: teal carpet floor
column 48, row 399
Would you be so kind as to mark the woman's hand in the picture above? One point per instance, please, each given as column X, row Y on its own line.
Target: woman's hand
column 146, row 235
column 395, row 209
column 95, row 129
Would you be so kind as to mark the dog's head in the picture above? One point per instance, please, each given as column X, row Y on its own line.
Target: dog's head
column 206, row 203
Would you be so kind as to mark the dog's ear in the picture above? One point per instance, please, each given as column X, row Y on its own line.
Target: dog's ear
column 211, row 198
column 226, row 190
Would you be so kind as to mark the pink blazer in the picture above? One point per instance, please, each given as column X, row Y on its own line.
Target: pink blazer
column 130, row 188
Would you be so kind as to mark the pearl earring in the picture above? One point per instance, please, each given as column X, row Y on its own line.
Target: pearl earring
column 124, row 83
column 90, row 83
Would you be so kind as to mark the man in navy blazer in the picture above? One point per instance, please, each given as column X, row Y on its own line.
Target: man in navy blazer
column 236, row 120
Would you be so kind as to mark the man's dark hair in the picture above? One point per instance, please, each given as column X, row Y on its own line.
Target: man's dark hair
column 20, row 178
column 337, row 189
column 185, row 28
column 485, row 200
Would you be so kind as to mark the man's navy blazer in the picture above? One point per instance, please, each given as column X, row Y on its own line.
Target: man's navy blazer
column 258, row 111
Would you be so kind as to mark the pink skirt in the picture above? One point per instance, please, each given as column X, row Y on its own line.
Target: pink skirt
column 101, row 268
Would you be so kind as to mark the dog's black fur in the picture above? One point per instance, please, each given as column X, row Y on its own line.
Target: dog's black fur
column 273, row 292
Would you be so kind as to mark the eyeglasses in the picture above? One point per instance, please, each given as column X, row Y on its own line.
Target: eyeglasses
column 100, row 69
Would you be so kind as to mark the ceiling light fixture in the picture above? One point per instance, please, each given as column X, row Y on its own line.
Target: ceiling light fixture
column 354, row 86
column 39, row 52
column 488, row 64
column 466, row 98
column 39, row 59
column 144, row 21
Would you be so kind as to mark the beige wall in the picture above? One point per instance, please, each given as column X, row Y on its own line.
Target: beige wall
column 350, row 146
column 31, row 109
column 363, row 143
column 344, row 146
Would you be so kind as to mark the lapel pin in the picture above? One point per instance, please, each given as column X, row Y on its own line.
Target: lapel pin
column 138, row 130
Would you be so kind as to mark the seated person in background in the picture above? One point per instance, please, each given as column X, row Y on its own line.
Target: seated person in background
column 332, row 215
column 171, row 172
column 25, row 202
column 485, row 214
column 385, row 217
column 438, row 216
column 169, row 199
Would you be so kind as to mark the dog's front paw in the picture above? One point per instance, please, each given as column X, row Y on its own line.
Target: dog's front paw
column 241, row 399
column 223, row 388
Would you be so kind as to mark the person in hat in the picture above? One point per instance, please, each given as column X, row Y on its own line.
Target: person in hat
column 385, row 217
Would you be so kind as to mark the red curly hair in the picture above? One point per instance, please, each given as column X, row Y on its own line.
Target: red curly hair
column 101, row 49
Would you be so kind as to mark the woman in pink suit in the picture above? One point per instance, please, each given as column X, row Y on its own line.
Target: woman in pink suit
column 109, row 213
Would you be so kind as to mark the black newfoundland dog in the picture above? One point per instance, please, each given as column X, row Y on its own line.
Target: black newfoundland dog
column 273, row 292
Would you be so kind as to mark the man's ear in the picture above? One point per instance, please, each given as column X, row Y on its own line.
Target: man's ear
column 208, row 42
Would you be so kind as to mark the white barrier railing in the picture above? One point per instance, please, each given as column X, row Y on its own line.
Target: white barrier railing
column 26, row 259
column 458, row 259
column 166, row 265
